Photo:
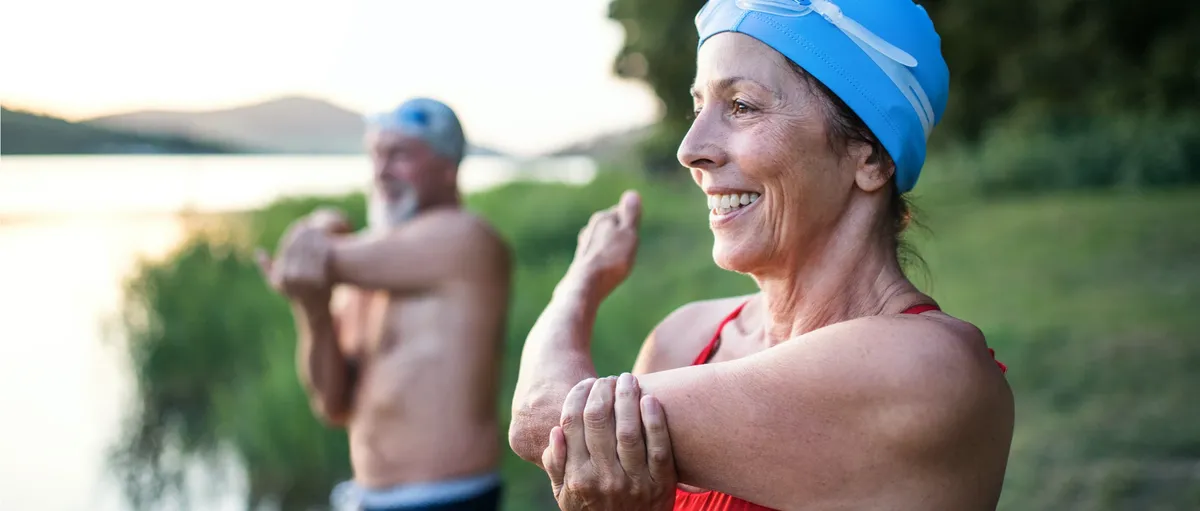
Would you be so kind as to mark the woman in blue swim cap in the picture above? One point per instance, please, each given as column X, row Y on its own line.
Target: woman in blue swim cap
column 840, row 385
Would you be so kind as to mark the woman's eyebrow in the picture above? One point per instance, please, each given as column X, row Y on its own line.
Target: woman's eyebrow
column 730, row 82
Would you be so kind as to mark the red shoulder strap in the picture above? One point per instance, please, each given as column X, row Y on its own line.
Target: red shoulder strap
column 917, row 309
column 716, row 339
column 707, row 353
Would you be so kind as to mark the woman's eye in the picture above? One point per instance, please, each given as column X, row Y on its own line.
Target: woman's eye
column 739, row 107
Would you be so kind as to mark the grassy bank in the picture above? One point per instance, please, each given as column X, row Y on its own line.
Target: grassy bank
column 1090, row 298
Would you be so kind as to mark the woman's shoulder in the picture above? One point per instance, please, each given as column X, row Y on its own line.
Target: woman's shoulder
column 911, row 340
column 924, row 378
column 684, row 332
column 713, row 310
column 933, row 357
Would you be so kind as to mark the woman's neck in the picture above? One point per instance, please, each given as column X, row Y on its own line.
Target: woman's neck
column 850, row 274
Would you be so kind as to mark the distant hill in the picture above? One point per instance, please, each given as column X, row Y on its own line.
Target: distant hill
column 30, row 133
column 609, row 146
column 294, row 124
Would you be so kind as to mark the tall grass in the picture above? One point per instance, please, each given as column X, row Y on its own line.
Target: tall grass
column 1033, row 154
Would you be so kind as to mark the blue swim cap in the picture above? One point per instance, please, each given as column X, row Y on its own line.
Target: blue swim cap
column 882, row 58
column 427, row 119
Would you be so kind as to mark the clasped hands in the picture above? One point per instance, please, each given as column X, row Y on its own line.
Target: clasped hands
column 611, row 450
column 300, row 268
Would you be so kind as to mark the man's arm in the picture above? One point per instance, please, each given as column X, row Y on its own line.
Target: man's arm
column 326, row 373
column 415, row 256
column 813, row 416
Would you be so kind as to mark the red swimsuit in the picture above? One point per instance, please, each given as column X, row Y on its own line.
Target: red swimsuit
column 715, row 500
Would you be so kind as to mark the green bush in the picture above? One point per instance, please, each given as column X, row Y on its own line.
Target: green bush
column 1134, row 152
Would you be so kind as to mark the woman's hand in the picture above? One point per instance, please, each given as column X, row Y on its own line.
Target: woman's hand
column 599, row 459
column 608, row 246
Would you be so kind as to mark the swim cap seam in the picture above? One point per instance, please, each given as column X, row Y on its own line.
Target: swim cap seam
column 837, row 69
column 740, row 19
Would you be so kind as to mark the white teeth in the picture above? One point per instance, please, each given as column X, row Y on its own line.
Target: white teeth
column 727, row 203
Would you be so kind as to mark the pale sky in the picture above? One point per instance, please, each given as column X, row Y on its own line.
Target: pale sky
column 524, row 75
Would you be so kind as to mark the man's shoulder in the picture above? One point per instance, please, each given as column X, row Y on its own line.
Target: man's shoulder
column 465, row 229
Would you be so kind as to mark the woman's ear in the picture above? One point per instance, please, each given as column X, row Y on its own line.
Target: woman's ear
column 872, row 171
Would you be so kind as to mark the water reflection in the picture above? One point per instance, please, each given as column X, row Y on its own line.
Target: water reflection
column 71, row 229
column 68, row 185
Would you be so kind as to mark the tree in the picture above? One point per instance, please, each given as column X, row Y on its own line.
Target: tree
column 1066, row 58
column 1044, row 59
column 660, row 49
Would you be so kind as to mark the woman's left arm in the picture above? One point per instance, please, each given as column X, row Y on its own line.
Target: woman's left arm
column 873, row 405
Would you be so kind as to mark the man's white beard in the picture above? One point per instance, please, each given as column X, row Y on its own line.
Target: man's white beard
column 384, row 214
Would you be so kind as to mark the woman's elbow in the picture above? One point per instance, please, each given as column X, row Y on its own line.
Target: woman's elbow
column 528, row 433
column 523, row 438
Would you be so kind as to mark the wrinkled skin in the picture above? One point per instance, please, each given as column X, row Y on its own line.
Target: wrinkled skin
column 619, row 451
column 929, row 429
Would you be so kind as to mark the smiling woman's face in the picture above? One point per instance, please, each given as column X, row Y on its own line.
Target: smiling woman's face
column 760, row 149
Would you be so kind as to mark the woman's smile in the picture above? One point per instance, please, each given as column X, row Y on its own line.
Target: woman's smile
column 724, row 207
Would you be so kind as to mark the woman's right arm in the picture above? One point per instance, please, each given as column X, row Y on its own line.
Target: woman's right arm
column 557, row 351
column 556, row 356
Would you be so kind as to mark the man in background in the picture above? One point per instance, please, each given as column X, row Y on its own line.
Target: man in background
column 401, row 325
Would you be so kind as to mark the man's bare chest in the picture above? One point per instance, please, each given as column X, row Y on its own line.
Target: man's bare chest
column 362, row 321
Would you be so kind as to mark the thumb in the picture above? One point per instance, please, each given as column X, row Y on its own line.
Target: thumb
column 630, row 208
column 554, row 459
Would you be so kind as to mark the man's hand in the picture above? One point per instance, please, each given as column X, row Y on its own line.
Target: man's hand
column 301, row 270
column 608, row 246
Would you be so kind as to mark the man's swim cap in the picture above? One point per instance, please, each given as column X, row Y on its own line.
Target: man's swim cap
column 427, row 119
column 882, row 58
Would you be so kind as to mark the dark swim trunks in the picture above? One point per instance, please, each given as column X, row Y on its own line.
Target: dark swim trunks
column 479, row 493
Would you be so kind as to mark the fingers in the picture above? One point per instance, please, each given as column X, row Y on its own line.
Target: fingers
column 601, row 435
column 658, row 441
column 572, row 421
column 331, row 220
column 629, row 209
column 585, row 235
column 304, row 261
column 627, row 212
column 631, row 449
column 554, row 459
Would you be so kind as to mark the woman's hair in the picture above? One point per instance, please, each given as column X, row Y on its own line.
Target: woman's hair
column 845, row 126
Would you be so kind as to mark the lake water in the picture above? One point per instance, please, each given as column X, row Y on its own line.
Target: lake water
column 71, row 229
